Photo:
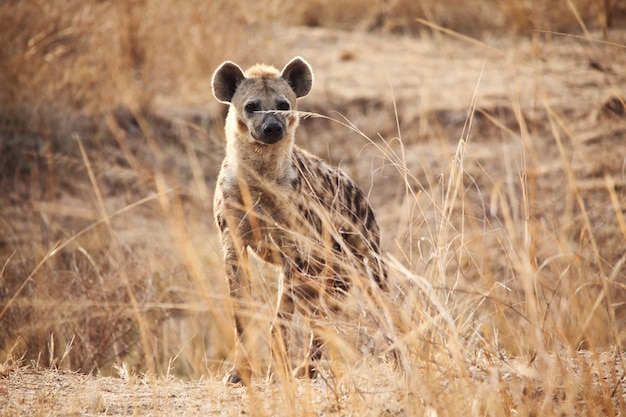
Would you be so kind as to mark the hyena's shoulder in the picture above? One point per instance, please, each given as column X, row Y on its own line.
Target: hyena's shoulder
column 333, row 189
column 315, row 175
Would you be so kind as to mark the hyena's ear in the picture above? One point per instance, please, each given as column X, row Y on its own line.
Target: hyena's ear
column 225, row 81
column 299, row 75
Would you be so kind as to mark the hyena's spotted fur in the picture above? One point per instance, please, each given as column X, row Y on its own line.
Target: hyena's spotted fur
column 289, row 207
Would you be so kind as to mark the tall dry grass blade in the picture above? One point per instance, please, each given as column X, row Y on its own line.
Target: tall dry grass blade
column 94, row 184
column 55, row 248
column 458, row 35
column 584, row 37
column 6, row 263
column 617, row 206
column 67, row 350
column 51, row 359
column 578, row 18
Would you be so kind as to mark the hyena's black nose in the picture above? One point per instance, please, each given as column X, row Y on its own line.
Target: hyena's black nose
column 272, row 130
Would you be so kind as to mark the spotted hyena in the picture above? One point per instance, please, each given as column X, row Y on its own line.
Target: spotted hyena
column 290, row 208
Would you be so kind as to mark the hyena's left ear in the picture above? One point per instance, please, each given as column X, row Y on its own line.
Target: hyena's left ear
column 225, row 81
column 299, row 75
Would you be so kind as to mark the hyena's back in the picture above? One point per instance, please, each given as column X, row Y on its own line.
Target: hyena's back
column 339, row 214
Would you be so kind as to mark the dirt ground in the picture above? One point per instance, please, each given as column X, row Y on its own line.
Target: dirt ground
column 373, row 390
column 429, row 83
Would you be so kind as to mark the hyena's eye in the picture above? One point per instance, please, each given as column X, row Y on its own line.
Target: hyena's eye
column 283, row 105
column 252, row 107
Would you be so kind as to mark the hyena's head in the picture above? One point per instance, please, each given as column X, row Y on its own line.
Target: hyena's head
column 261, row 98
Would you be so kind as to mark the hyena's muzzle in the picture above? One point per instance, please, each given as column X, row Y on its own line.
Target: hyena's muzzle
column 269, row 128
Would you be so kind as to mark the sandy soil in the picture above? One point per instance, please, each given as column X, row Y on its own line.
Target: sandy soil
column 374, row 390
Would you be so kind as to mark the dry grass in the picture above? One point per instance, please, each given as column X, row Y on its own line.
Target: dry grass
column 506, row 247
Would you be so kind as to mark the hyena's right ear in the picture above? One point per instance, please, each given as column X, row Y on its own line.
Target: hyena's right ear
column 225, row 81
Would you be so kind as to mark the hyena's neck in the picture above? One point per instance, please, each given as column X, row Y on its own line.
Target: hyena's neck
column 271, row 164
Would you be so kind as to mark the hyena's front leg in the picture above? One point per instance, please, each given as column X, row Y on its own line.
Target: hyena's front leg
column 239, row 283
column 280, row 333
column 310, row 366
column 307, row 289
column 298, row 290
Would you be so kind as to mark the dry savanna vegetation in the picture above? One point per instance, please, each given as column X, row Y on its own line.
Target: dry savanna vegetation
column 490, row 137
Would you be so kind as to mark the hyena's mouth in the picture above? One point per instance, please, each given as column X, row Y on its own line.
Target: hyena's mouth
column 270, row 130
